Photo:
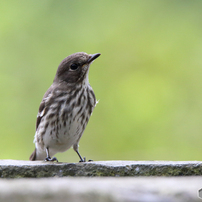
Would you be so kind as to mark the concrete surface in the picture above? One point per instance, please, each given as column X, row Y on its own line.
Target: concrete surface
column 37, row 169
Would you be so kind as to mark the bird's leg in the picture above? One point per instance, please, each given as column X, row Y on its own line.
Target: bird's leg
column 75, row 147
column 82, row 159
column 48, row 158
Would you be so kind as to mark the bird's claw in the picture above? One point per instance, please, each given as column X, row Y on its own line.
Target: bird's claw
column 51, row 159
column 84, row 160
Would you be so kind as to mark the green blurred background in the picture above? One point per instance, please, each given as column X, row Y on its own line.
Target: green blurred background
column 147, row 80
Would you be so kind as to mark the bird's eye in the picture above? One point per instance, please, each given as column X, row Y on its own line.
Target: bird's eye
column 74, row 66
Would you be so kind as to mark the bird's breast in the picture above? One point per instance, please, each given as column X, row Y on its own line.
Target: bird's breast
column 66, row 119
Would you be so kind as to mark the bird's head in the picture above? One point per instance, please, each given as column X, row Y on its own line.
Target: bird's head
column 74, row 68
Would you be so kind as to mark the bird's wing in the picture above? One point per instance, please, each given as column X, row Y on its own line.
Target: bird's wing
column 43, row 108
column 54, row 92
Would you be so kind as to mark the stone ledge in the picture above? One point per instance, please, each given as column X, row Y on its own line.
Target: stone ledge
column 37, row 169
column 105, row 189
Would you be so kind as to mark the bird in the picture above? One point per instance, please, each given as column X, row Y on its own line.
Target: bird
column 65, row 108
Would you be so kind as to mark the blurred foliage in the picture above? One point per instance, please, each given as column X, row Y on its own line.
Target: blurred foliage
column 147, row 80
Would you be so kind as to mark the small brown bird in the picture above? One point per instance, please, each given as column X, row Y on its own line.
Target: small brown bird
column 65, row 108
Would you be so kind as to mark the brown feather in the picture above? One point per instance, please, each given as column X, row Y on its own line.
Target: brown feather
column 33, row 156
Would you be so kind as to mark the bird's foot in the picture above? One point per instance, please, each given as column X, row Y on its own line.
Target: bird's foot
column 51, row 159
column 84, row 160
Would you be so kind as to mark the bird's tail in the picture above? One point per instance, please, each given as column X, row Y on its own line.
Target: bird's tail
column 33, row 156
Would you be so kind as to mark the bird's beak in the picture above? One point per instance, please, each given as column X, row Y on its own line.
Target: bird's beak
column 93, row 57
